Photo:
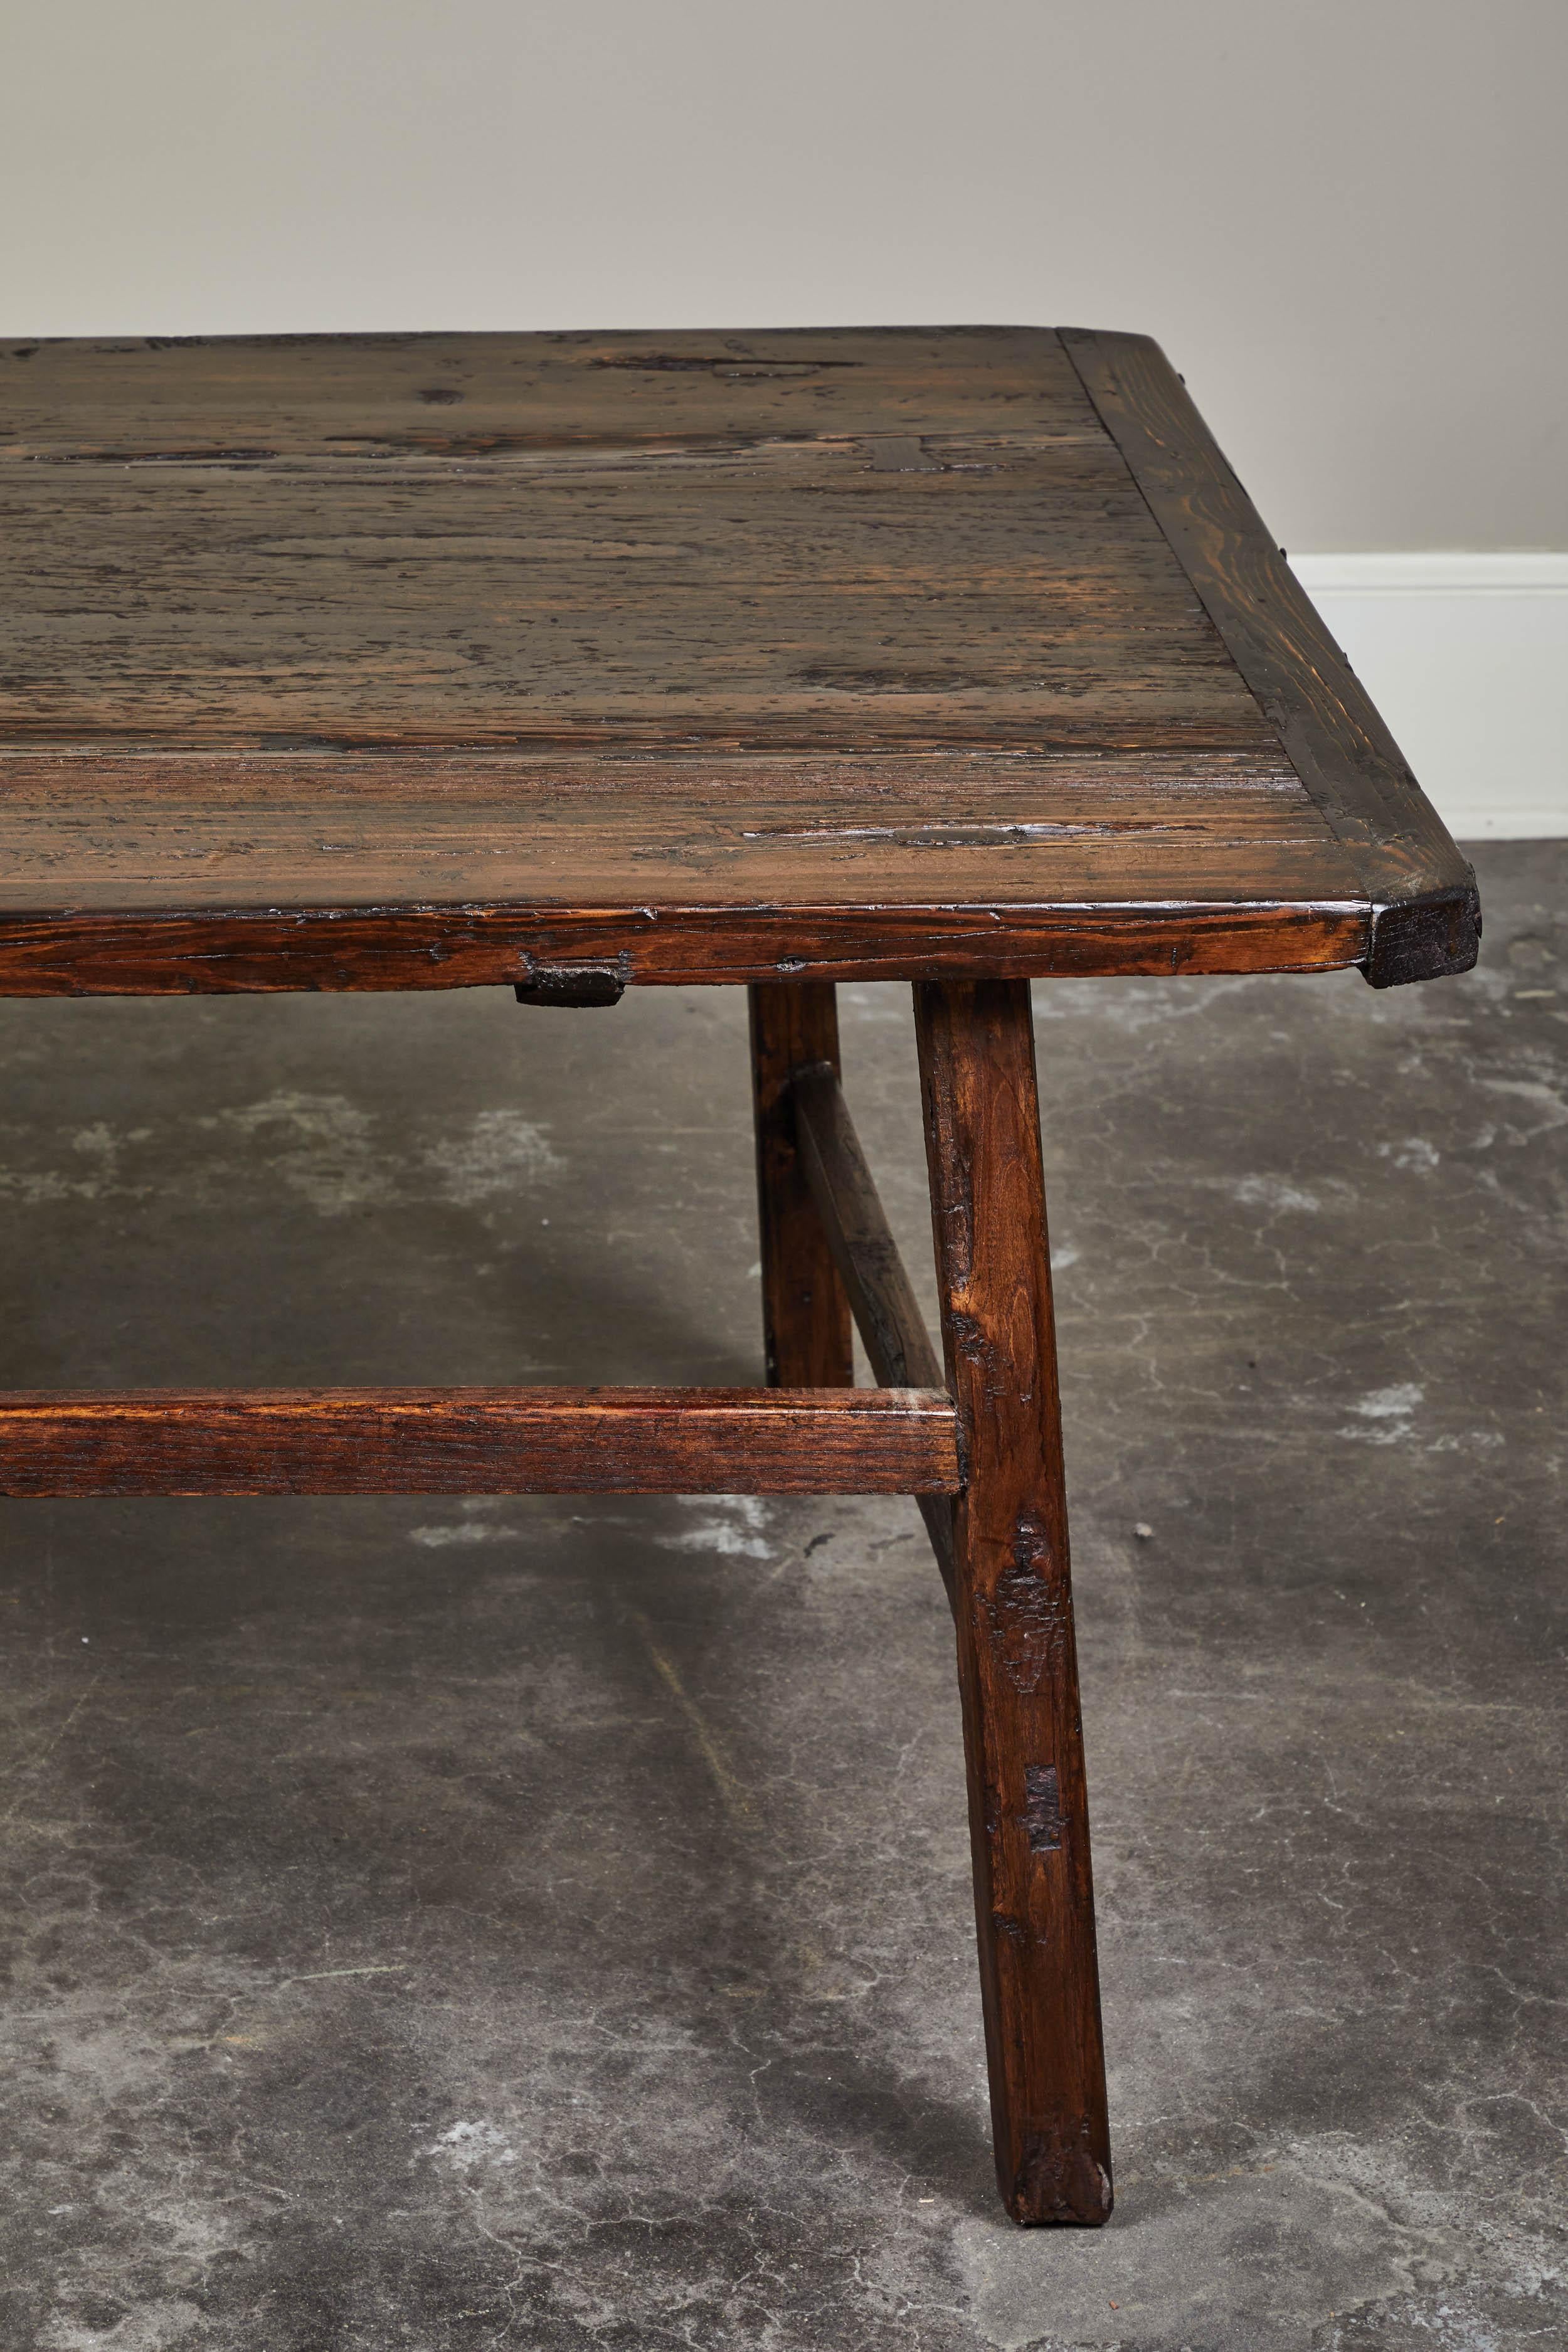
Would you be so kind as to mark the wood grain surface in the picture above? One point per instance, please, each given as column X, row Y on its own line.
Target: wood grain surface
column 1018, row 1663
column 267, row 398
column 713, row 657
column 479, row 1441
column 1425, row 908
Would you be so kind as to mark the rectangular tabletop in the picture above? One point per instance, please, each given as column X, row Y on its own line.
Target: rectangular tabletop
column 430, row 660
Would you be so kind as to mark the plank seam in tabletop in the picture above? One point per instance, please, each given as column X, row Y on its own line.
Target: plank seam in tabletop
column 1418, row 883
column 439, row 661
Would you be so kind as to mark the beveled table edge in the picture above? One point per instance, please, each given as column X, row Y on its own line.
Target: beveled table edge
column 1424, row 918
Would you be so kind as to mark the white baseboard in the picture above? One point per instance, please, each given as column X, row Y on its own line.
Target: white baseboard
column 1467, row 657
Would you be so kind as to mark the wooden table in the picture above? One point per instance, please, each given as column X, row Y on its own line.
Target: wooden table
column 581, row 662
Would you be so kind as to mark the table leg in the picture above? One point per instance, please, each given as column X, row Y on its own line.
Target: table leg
column 1017, row 1661
column 806, row 1312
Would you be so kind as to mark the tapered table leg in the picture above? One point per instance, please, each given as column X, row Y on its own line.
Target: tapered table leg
column 806, row 1312
column 1016, row 1662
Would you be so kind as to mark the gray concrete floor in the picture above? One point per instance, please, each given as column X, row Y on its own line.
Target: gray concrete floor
column 547, row 1923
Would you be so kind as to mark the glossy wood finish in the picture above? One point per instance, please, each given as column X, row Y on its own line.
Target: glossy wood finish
column 1017, row 1666
column 881, row 1297
column 807, row 1340
column 433, row 661
column 480, row 1442
column 255, row 952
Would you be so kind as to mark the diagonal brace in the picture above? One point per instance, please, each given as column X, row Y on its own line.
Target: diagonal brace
column 861, row 1239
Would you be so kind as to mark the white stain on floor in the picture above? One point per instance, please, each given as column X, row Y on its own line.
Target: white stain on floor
column 464, row 1531
column 1544, row 1099
column 320, row 1146
column 465, row 2146
column 323, row 1148
column 498, row 1149
column 95, row 1174
column 1274, row 1193
column 1414, row 1152
column 732, row 1527
column 1389, row 1412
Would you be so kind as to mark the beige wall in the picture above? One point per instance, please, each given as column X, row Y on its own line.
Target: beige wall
column 1344, row 218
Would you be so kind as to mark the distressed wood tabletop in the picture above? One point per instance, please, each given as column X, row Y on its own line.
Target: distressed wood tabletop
column 432, row 660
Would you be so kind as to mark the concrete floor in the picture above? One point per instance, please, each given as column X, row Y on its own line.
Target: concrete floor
column 540, row 1923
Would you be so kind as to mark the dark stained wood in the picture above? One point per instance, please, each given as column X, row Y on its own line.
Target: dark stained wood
column 578, row 986
column 463, row 947
column 731, row 833
column 880, row 1296
column 396, row 661
column 806, row 1313
column 1016, row 1657
column 578, row 662
column 243, row 399
column 1425, row 910
column 786, row 597
column 479, row 1441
